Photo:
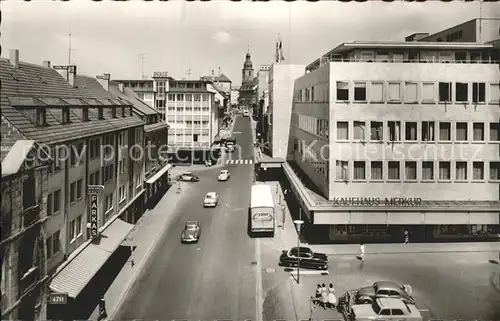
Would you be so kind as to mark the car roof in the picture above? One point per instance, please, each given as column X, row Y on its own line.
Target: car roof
column 224, row 171
column 302, row 249
column 386, row 285
column 391, row 303
column 187, row 173
column 211, row 194
column 192, row 223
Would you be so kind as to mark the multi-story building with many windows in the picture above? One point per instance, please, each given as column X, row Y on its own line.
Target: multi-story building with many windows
column 378, row 123
column 192, row 112
column 71, row 120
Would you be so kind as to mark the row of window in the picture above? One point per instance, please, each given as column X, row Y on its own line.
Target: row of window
column 75, row 228
column 314, row 125
column 409, row 92
column 187, row 97
column 182, row 109
column 410, row 131
column 185, row 85
column 410, row 56
column 460, row 171
column 316, row 93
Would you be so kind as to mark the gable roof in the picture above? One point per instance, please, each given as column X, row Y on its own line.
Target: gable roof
column 249, row 85
column 31, row 86
column 221, row 78
column 129, row 95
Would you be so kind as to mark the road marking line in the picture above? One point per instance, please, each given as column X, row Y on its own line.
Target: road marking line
column 246, row 161
column 424, row 310
column 307, row 272
column 236, row 132
column 259, row 300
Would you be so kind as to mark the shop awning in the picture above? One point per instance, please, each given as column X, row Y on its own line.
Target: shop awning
column 160, row 173
column 76, row 274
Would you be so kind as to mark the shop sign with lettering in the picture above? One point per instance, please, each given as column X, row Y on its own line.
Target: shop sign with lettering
column 160, row 74
column 94, row 200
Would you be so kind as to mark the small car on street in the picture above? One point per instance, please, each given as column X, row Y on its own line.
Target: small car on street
column 191, row 232
column 211, row 199
column 188, row 177
column 224, row 175
column 385, row 309
column 383, row 289
column 304, row 257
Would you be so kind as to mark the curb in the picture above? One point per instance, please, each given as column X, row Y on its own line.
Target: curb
column 133, row 279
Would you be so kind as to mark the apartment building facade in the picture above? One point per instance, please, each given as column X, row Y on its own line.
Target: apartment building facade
column 156, row 167
column 73, row 118
column 192, row 113
column 23, row 265
column 401, row 136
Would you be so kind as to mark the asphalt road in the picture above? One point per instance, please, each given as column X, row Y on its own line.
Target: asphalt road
column 447, row 286
column 216, row 278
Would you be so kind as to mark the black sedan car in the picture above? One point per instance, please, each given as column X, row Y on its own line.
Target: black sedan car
column 188, row 177
column 191, row 232
column 306, row 257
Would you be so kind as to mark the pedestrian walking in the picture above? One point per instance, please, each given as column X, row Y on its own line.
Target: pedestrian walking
column 361, row 255
column 324, row 296
column 332, row 299
column 317, row 300
column 407, row 237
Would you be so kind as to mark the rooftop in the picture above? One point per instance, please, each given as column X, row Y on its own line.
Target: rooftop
column 349, row 46
column 30, row 86
column 220, row 78
column 129, row 95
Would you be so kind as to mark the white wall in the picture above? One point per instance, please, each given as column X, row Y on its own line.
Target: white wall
column 281, row 87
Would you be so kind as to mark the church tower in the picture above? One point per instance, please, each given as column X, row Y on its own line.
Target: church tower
column 247, row 71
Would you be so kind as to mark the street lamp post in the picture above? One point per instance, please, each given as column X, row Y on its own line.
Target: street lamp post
column 299, row 224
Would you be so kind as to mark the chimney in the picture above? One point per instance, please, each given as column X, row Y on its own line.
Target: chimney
column 72, row 75
column 46, row 64
column 121, row 87
column 104, row 81
column 14, row 58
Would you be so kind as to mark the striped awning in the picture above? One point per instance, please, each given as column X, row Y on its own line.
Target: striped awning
column 77, row 273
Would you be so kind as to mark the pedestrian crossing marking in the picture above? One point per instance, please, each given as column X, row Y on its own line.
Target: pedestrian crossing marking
column 239, row 161
column 308, row 272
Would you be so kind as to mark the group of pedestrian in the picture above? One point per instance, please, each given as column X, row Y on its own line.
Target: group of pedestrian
column 325, row 297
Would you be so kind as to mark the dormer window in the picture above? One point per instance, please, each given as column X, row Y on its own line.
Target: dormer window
column 65, row 115
column 124, row 113
column 113, row 112
column 100, row 112
column 85, row 113
column 41, row 116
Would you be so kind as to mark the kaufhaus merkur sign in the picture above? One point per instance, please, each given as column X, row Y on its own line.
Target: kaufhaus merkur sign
column 377, row 201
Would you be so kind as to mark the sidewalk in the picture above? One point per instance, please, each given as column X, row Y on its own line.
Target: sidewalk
column 145, row 236
column 298, row 294
column 289, row 239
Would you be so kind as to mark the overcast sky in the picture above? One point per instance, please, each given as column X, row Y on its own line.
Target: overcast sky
column 174, row 36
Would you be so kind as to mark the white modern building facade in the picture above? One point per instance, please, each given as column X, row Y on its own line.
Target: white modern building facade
column 281, row 90
column 386, row 120
column 190, row 109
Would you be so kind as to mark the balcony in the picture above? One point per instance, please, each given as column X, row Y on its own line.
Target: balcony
column 29, row 280
column 31, row 215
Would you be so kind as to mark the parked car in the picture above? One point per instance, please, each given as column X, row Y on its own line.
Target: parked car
column 383, row 289
column 191, row 232
column 188, row 177
column 211, row 200
column 385, row 309
column 224, row 175
column 308, row 259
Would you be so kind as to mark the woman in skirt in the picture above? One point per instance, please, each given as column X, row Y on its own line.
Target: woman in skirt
column 324, row 295
column 317, row 299
column 332, row 299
